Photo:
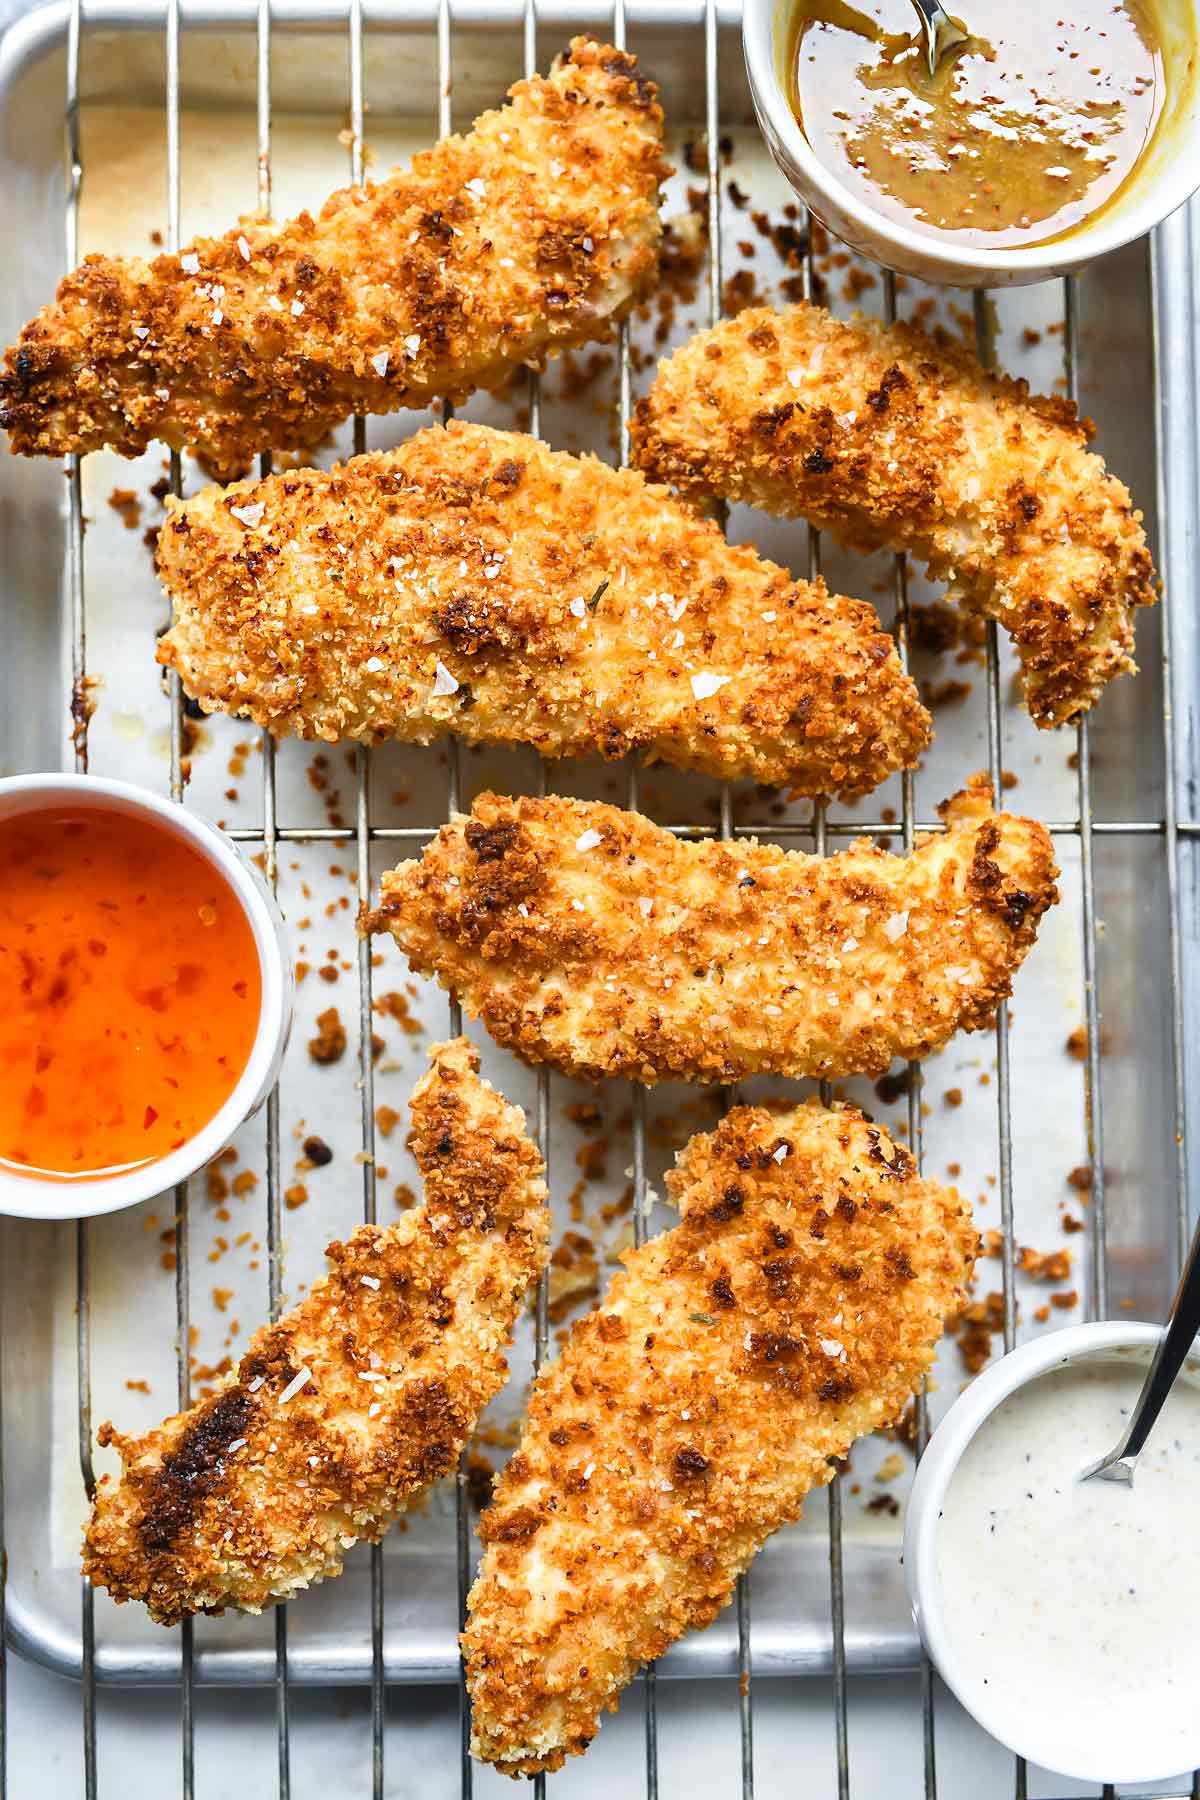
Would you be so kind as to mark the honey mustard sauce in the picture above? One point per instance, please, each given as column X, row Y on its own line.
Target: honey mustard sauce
column 1037, row 123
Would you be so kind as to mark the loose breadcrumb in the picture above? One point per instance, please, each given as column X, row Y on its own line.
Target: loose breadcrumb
column 593, row 939
column 537, row 230
column 887, row 437
column 795, row 1307
column 356, row 1400
column 475, row 581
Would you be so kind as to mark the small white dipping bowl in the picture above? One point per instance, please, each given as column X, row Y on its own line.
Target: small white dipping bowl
column 1046, row 1740
column 75, row 1197
column 1168, row 173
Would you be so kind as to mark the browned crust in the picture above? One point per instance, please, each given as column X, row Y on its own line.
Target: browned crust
column 644, row 955
column 887, row 437
column 244, row 1499
column 535, row 231
column 795, row 1307
column 574, row 605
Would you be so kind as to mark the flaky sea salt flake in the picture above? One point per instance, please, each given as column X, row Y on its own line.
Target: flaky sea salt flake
column 294, row 1385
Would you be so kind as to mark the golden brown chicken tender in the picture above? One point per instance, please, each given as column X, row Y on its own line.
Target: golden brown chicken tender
column 592, row 939
column 888, row 438
column 796, row 1306
column 356, row 1400
column 474, row 581
column 535, row 231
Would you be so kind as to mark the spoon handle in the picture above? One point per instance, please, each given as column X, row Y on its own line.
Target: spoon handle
column 1176, row 1342
column 940, row 32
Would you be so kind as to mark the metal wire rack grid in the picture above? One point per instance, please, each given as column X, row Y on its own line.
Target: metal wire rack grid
column 363, row 833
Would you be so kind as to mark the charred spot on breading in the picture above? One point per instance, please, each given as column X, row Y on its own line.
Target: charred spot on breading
column 722, row 1291
column 511, row 1528
column 190, row 1473
column 880, row 398
column 491, row 843
column 898, row 1164
column 689, row 1464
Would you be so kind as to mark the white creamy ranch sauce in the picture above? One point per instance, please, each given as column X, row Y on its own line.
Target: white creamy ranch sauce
column 1077, row 1603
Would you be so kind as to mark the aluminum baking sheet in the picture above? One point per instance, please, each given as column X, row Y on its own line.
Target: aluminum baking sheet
column 132, row 1288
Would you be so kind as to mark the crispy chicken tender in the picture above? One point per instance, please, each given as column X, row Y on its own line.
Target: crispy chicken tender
column 534, row 232
column 591, row 938
column 359, row 1398
column 886, row 437
column 474, row 581
column 796, row 1306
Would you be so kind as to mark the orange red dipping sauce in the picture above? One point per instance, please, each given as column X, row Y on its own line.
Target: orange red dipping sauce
column 129, row 991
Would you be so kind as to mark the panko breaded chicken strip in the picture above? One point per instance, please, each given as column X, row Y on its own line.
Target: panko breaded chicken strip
column 795, row 1307
column 888, row 438
column 357, row 1399
column 535, row 231
column 592, row 939
column 475, row 581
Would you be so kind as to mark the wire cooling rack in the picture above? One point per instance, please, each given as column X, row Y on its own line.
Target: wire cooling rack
column 359, row 836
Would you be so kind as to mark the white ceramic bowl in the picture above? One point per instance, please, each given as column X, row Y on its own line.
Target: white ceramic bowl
column 1168, row 174
column 1049, row 1741
column 30, row 1197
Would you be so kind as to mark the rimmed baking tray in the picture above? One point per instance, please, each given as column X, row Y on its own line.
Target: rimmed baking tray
column 92, row 1319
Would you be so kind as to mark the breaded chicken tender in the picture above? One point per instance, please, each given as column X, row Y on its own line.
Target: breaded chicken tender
column 888, row 438
column 535, row 231
column 795, row 1308
column 592, row 939
column 474, row 581
column 360, row 1397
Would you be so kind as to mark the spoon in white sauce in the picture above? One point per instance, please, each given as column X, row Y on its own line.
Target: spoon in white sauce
column 1176, row 1342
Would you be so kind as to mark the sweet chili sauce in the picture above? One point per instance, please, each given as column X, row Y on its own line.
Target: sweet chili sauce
column 129, row 991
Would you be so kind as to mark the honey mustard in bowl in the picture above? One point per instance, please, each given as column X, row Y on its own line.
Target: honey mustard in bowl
column 1051, row 136
column 1028, row 129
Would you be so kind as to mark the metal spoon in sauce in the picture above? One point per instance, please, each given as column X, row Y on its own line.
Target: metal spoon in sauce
column 941, row 33
column 1174, row 1346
